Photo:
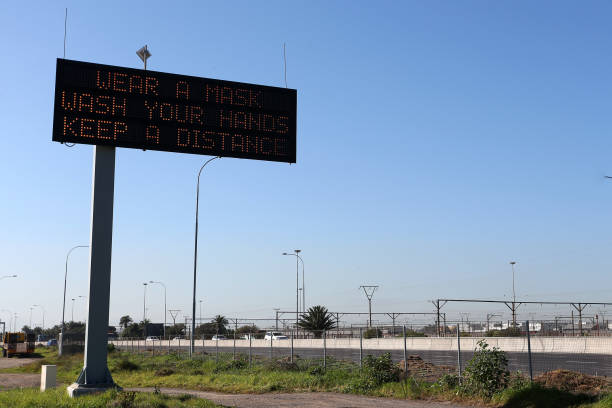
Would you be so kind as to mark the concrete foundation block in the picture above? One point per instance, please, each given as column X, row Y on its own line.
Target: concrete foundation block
column 48, row 377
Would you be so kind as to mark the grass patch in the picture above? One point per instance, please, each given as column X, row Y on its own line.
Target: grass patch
column 236, row 376
column 58, row 398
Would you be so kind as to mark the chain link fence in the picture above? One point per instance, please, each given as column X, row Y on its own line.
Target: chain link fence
column 421, row 356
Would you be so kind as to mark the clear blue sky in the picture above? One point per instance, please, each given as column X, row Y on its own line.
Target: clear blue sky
column 437, row 141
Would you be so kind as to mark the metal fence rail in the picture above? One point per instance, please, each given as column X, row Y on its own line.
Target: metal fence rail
column 427, row 356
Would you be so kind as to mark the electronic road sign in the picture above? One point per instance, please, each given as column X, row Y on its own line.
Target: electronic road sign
column 124, row 107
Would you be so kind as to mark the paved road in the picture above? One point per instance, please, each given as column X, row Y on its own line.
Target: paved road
column 8, row 381
column 302, row 400
column 594, row 364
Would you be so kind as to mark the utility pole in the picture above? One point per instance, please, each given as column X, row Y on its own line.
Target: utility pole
column 438, row 306
column 144, row 310
column 489, row 316
column 276, row 310
column 513, row 296
column 369, row 292
column 174, row 313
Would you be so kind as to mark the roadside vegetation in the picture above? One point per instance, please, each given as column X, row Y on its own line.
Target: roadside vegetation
column 28, row 398
column 486, row 379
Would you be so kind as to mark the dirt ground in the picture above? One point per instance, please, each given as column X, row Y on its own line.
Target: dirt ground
column 574, row 382
column 17, row 380
column 303, row 400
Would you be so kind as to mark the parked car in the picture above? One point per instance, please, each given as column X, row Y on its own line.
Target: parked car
column 177, row 338
column 248, row 336
column 151, row 338
column 219, row 337
column 51, row 342
column 275, row 336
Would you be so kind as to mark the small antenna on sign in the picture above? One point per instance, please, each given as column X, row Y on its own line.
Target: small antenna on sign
column 285, row 62
column 65, row 25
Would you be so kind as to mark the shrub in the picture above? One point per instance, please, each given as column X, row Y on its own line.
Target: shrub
column 375, row 372
column 127, row 365
column 487, row 372
column 110, row 347
column 448, row 381
column 124, row 400
column 372, row 333
column 238, row 364
column 164, row 372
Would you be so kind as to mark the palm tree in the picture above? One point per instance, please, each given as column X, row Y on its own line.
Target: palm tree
column 125, row 321
column 316, row 320
column 220, row 322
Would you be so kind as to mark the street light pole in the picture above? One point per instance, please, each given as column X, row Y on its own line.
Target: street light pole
column 195, row 260
column 165, row 309
column 513, row 296
column 84, row 297
column 297, row 286
column 61, row 342
column 144, row 308
column 43, row 315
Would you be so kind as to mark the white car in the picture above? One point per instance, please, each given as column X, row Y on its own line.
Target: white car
column 152, row 338
column 275, row 336
column 247, row 336
column 219, row 337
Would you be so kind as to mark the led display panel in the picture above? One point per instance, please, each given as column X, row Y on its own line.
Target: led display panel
column 107, row 105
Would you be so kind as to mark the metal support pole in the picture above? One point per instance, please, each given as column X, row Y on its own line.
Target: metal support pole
column 250, row 349
column 405, row 351
column 529, row 352
column 459, row 351
column 271, row 341
column 195, row 260
column 324, row 350
column 360, row 347
column 217, row 350
column 95, row 373
column 234, row 345
column 292, row 346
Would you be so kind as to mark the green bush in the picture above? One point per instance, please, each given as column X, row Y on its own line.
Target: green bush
column 110, row 347
column 448, row 381
column 375, row 372
column 487, row 372
column 372, row 333
column 509, row 332
column 127, row 365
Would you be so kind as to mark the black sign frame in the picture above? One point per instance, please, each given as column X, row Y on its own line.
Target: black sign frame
column 125, row 107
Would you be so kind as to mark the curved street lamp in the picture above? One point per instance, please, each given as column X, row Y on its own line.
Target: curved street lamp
column 43, row 315
column 195, row 260
column 297, row 287
column 61, row 342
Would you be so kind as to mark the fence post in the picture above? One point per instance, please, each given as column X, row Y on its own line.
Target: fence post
column 250, row 342
column 168, row 345
column 217, row 350
column 360, row 347
column 178, row 353
column 324, row 349
column 405, row 357
column 271, row 341
column 529, row 352
column 234, row 345
column 292, row 346
column 459, row 350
